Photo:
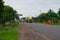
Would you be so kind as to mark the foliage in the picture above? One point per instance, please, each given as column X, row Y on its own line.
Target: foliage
column 42, row 17
column 36, row 19
column 7, row 13
column 1, row 11
column 50, row 15
column 13, row 25
column 58, row 14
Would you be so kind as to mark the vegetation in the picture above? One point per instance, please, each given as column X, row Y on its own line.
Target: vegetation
column 7, row 22
column 7, row 14
column 8, row 35
column 58, row 14
column 50, row 17
column 12, row 25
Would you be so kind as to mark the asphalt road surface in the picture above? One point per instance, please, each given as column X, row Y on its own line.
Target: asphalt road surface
column 50, row 31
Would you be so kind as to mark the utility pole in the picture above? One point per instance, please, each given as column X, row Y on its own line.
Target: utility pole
column 40, row 11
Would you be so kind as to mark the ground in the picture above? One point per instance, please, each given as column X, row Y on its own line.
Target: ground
column 26, row 33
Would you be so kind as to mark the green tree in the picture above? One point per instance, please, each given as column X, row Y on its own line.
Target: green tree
column 58, row 14
column 42, row 17
column 1, row 11
column 51, row 15
column 10, row 14
column 7, row 13
column 35, row 19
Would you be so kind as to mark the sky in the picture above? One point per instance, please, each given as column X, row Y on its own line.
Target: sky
column 31, row 8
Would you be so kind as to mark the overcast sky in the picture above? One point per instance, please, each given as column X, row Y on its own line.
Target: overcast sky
column 33, row 7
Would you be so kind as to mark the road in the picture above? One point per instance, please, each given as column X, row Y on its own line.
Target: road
column 50, row 31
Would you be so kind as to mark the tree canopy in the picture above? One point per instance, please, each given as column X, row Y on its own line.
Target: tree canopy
column 58, row 14
column 7, row 13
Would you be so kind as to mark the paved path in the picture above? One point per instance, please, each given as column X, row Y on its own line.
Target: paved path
column 53, row 32
column 26, row 33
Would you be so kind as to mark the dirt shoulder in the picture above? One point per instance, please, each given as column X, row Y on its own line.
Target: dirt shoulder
column 26, row 33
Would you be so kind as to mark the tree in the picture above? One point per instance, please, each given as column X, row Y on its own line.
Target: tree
column 1, row 11
column 35, row 19
column 1, row 6
column 9, row 14
column 58, row 14
column 51, row 15
column 42, row 17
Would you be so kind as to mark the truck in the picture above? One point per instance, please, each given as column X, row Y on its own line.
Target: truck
column 29, row 20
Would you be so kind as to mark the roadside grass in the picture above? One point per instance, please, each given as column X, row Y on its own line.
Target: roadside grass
column 8, row 33
column 13, row 25
column 56, row 24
